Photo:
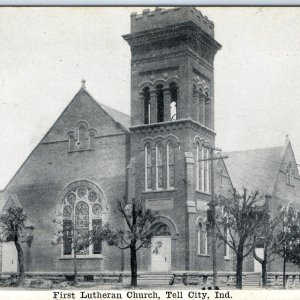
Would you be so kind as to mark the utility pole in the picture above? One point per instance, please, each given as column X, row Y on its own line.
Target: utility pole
column 213, row 204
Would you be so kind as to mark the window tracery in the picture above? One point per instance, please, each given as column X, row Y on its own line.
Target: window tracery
column 82, row 207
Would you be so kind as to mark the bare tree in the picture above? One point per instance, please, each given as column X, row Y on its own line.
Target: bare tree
column 137, row 233
column 238, row 222
column 73, row 242
column 270, row 242
column 289, row 235
column 12, row 223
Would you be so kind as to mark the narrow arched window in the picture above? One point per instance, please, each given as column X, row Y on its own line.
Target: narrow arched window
column 202, row 239
column 159, row 166
column 174, row 97
column 170, row 166
column 148, row 168
column 81, row 138
column 206, row 170
column 72, row 141
column 147, row 106
column 207, row 111
column 199, row 175
column 160, row 103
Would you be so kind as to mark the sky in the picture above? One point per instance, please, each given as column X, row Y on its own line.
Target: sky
column 46, row 52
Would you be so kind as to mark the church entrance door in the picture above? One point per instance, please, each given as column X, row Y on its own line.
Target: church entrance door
column 9, row 257
column 161, row 249
column 161, row 254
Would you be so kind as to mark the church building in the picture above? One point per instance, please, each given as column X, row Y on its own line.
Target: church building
column 94, row 155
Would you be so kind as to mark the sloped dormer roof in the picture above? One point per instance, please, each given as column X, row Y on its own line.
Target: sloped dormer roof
column 255, row 169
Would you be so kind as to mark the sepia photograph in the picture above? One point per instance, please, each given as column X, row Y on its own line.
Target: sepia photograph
column 149, row 150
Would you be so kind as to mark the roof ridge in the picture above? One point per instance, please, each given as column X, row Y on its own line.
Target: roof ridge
column 105, row 105
column 254, row 149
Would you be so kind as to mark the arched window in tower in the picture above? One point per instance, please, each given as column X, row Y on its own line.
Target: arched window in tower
column 174, row 97
column 202, row 239
column 160, row 103
column 147, row 106
column 199, row 171
column 170, row 166
column 207, row 111
column 148, row 168
column 159, row 166
column 82, row 207
column 206, row 171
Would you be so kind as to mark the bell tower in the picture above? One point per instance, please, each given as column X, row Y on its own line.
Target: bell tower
column 172, row 111
column 172, row 66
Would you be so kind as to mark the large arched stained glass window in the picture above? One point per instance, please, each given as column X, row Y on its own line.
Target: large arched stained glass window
column 82, row 207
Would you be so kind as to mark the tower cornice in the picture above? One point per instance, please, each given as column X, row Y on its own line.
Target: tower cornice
column 186, row 30
column 173, row 125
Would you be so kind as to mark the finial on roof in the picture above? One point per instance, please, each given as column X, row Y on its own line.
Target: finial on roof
column 287, row 139
column 83, row 83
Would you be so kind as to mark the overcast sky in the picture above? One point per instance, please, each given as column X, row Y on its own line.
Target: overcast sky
column 45, row 52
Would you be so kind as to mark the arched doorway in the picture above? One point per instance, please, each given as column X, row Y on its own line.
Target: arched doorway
column 161, row 248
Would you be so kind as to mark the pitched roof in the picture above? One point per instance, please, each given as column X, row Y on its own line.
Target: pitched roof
column 116, row 115
column 255, row 169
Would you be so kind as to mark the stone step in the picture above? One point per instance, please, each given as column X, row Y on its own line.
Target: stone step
column 154, row 279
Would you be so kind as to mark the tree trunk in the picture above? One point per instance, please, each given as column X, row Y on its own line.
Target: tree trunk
column 239, row 268
column 75, row 268
column 264, row 272
column 21, row 267
column 133, row 265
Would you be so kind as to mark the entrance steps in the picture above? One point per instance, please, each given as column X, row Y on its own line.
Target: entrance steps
column 252, row 280
column 155, row 279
